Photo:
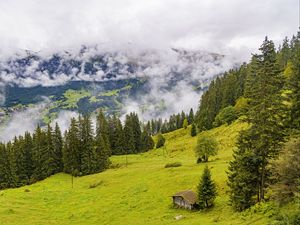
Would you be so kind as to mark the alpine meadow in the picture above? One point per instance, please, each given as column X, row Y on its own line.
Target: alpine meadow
column 158, row 112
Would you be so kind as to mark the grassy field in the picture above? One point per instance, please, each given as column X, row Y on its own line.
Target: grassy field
column 138, row 192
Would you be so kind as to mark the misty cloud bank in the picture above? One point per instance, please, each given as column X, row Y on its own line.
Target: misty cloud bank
column 234, row 27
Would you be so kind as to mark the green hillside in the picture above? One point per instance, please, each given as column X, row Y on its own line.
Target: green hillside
column 139, row 193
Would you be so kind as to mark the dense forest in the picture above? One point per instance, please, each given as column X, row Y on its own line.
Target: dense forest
column 80, row 151
column 266, row 94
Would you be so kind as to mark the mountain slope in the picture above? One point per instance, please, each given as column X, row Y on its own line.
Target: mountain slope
column 153, row 82
column 139, row 193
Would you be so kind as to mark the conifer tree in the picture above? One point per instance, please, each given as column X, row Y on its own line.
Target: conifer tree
column 40, row 155
column 185, row 123
column 295, row 82
column 193, row 130
column 88, row 157
column 20, row 158
column 207, row 191
column 129, row 140
column 57, row 149
column 102, row 130
column 191, row 116
column 50, row 149
column 147, row 140
column 8, row 177
column 262, row 141
column 71, row 150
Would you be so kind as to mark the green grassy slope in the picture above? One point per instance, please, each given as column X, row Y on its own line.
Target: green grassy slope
column 139, row 193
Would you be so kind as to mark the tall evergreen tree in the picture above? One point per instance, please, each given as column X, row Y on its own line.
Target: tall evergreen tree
column 206, row 189
column 40, row 155
column 71, row 150
column 102, row 129
column 264, row 137
column 191, row 116
column 88, row 162
column 129, row 144
column 57, row 149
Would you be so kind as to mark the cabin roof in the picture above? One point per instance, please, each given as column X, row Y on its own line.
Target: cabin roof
column 188, row 195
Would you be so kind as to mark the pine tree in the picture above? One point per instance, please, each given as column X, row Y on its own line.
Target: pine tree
column 87, row 151
column 50, row 149
column 40, row 155
column 102, row 155
column 20, row 158
column 185, row 123
column 102, row 130
column 295, row 82
column 137, row 133
column 27, row 148
column 8, row 177
column 57, row 149
column 71, row 150
column 263, row 140
column 193, row 130
column 129, row 144
column 147, row 140
column 207, row 191
column 191, row 116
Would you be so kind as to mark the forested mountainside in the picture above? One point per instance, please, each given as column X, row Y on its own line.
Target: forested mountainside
column 114, row 81
column 266, row 94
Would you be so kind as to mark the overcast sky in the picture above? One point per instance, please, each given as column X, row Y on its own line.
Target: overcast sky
column 225, row 26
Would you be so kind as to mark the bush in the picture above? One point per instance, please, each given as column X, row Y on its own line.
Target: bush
column 160, row 140
column 225, row 116
column 96, row 184
column 174, row 164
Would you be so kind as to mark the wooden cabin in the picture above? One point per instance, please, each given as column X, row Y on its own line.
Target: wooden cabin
column 185, row 199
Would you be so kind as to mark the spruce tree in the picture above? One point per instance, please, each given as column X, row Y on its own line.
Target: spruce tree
column 71, row 150
column 87, row 151
column 50, row 149
column 185, row 123
column 129, row 144
column 102, row 129
column 57, row 149
column 295, row 82
column 263, row 140
column 191, row 116
column 207, row 190
column 193, row 130
column 40, row 155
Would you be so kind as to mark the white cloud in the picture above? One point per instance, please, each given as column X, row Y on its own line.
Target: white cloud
column 214, row 25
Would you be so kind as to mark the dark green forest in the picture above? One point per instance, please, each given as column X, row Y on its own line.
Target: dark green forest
column 266, row 94
column 80, row 151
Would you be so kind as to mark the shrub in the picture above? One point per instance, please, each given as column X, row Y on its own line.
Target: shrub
column 96, row 184
column 173, row 164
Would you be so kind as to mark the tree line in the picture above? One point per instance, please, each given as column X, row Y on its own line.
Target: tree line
column 266, row 92
column 80, row 151
column 175, row 121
